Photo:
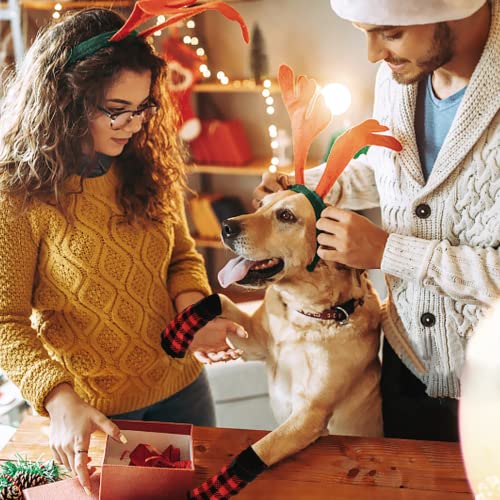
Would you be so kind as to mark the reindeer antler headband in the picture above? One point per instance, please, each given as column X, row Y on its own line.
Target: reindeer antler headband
column 309, row 116
column 145, row 10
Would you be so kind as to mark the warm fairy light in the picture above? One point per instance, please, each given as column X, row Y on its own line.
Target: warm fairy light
column 266, row 93
column 195, row 40
column 220, row 75
column 270, row 110
column 269, row 101
column 187, row 39
column 190, row 24
column 272, row 169
column 337, row 98
column 56, row 15
column 203, row 68
column 273, row 131
column 200, row 52
column 57, row 6
column 224, row 80
column 274, row 144
column 275, row 161
column 267, row 84
column 207, row 73
column 159, row 20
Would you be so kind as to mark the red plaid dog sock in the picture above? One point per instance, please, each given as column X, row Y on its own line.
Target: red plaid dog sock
column 231, row 479
column 179, row 334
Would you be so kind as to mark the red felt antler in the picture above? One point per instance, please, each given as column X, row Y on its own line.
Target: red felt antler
column 308, row 114
column 347, row 145
column 178, row 10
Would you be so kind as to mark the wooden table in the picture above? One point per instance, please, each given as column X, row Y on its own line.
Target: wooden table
column 335, row 467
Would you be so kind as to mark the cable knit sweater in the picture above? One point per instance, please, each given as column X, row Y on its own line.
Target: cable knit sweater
column 442, row 259
column 85, row 301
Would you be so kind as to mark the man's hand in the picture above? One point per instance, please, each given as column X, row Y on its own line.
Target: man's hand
column 350, row 239
column 210, row 344
column 270, row 183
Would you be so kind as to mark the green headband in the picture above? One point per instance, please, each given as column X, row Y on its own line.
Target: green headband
column 319, row 205
column 92, row 45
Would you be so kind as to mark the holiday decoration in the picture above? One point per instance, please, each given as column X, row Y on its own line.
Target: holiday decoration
column 145, row 455
column 15, row 476
column 184, row 71
column 258, row 57
column 222, row 142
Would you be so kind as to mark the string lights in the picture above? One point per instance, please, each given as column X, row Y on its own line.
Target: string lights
column 57, row 11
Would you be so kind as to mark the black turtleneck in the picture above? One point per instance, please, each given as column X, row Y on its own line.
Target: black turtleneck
column 97, row 167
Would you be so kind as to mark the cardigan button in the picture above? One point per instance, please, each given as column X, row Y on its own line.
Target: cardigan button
column 428, row 320
column 423, row 211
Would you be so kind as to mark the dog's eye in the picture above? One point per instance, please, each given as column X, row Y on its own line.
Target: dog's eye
column 286, row 215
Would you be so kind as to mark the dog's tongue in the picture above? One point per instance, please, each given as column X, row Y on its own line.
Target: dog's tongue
column 235, row 270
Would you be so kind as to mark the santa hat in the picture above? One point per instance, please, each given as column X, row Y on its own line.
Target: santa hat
column 404, row 12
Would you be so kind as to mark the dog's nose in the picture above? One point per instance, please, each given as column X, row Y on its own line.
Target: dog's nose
column 230, row 229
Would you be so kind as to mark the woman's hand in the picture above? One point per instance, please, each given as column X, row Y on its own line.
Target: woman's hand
column 211, row 344
column 72, row 421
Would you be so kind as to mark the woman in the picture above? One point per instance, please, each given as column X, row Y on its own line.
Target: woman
column 95, row 254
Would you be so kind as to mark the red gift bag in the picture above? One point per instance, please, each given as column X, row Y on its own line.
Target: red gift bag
column 222, row 142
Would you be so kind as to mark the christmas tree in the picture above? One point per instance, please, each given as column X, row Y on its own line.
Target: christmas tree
column 258, row 57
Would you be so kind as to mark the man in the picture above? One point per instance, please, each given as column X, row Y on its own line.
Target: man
column 438, row 89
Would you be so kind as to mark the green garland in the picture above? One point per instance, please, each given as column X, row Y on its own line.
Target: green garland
column 15, row 476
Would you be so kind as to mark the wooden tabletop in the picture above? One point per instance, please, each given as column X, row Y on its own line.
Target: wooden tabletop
column 338, row 467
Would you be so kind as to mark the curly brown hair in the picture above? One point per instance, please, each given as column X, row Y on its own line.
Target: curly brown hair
column 45, row 119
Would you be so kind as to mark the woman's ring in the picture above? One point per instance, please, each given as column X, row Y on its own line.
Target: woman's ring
column 82, row 451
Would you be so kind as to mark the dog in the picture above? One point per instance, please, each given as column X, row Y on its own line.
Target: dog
column 323, row 374
column 318, row 327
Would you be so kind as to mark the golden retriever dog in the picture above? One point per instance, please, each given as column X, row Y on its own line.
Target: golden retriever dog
column 317, row 328
column 323, row 374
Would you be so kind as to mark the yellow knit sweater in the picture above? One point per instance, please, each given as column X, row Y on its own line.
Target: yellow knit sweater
column 85, row 301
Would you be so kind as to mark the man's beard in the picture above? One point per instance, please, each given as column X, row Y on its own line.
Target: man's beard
column 442, row 53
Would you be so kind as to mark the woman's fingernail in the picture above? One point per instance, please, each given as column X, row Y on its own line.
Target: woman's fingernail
column 123, row 439
column 87, row 491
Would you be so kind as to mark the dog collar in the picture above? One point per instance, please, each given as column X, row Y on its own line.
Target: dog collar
column 340, row 313
column 318, row 205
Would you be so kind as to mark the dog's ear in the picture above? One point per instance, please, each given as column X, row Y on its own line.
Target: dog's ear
column 284, row 181
column 359, row 273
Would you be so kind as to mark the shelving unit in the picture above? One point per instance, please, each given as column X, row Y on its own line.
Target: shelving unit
column 256, row 168
column 49, row 5
column 235, row 86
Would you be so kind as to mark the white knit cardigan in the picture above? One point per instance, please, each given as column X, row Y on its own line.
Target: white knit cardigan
column 449, row 263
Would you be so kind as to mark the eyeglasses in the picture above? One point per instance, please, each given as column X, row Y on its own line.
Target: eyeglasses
column 122, row 118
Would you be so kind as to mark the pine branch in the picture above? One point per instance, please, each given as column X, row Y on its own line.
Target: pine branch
column 49, row 470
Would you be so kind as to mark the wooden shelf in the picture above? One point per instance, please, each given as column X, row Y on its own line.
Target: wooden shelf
column 235, row 86
column 255, row 168
column 49, row 5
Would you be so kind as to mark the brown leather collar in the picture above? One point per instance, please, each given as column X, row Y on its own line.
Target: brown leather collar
column 339, row 313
